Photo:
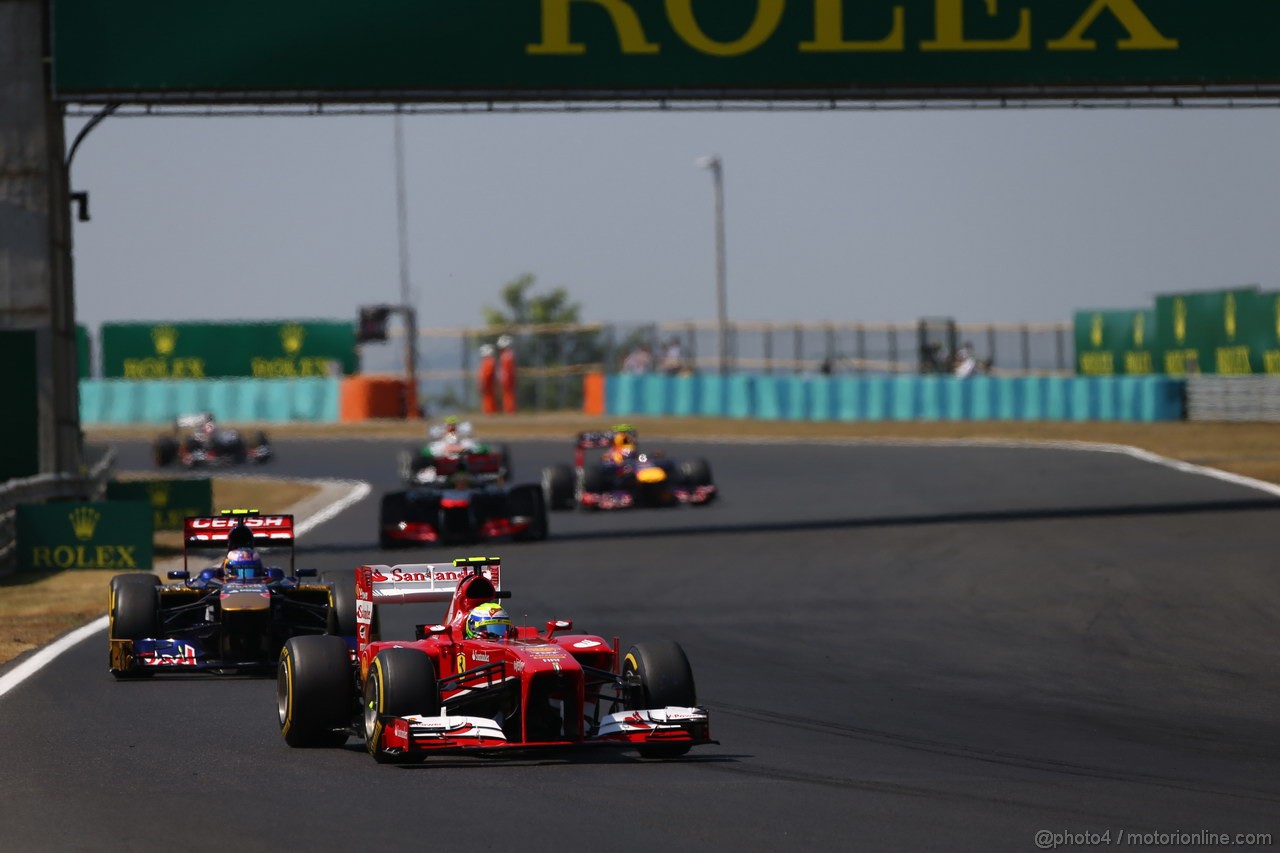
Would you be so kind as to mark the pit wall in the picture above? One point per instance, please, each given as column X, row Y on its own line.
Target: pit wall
column 888, row 398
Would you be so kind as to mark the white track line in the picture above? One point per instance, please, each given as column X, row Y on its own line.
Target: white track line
column 357, row 492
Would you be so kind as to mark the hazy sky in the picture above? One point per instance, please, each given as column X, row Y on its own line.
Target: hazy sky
column 1002, row 216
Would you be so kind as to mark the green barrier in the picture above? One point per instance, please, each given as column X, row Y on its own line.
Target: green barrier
column 122, row 401
column 70, row 535
column 171, row 500
column 903, row 398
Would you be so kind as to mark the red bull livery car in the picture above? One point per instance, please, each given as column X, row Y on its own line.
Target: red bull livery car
column 475, row 682
column 624, row 476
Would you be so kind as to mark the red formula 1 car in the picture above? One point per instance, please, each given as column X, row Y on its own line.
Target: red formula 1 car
column 450, row 692
column 624, row 477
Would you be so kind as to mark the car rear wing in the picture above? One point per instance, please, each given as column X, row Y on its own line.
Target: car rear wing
column 416, row 583
column 238, row 528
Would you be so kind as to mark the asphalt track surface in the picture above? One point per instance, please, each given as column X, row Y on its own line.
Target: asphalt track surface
column 902, row 648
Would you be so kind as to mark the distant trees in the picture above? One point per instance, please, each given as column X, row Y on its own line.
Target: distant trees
column 551, row 360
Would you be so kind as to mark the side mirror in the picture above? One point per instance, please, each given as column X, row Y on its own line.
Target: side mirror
column 421, row 632
column 306, row 573
column 554, row 625
column 179, row 575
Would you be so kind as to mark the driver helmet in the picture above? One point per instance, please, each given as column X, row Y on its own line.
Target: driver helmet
column 488, row 621
column 624, row 439
column 451, row 425
column 242, row 564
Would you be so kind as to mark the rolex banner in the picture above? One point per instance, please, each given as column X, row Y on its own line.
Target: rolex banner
column 171, row 500
column 209, row 350
column 73, row 535
column 1217, row 331
column 1110, row 343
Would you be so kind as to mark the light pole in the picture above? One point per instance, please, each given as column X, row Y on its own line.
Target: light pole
column 722, row 309
column 410, row 316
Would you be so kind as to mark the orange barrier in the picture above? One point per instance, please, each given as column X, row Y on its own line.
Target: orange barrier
column 593, row 393
column 365, row 397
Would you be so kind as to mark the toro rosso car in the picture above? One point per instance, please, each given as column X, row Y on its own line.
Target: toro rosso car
column 206, row 443
column 498, row 687
column 235, row 615
column 451, row 448
column 624, row 477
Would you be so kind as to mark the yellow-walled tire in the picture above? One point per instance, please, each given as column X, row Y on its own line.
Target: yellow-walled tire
column 315, row 689
column 401, row 682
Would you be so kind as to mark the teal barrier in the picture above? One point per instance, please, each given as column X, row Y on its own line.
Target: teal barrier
column 898, row 398
column 155, row 401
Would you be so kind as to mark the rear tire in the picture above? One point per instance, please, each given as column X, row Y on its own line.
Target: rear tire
column 342, row 606
column 165, row 450
column 528, row 501
column 391, row 513
column 666, row 679
column 557, row 487
column 314, row 691
column 401, row 682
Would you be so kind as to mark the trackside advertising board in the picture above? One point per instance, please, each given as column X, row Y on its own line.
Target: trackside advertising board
column 1113, row 343
column 1210, row 332
column 444, row 50
column 71, row 535
column 171, row 500
column 210, row 350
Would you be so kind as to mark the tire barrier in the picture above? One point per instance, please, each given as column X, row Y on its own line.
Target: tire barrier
column 897, row 398
column 123, row 401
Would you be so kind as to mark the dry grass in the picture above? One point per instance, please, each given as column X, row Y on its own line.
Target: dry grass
column 37, row 606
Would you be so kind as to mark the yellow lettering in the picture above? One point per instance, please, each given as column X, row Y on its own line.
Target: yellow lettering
column 828, row 31
column 768, row 16
column 146, row 368
column 1272, row 361
column 1097, row 364
column 126, row 557
column 41, row 558
column 949, row 30
column 555, row 29
column 1232, row 360
column 1142, row 33
column 1178, row 362
column 64, row 556
column 1137, row 363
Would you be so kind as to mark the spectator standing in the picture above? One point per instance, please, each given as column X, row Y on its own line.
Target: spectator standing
column 672, row 357
column 488, row 375
column 507, row 373
column 639, row 360
column 966, row 362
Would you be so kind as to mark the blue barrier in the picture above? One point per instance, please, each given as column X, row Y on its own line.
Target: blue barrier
column 898, row 398
column 126, row 401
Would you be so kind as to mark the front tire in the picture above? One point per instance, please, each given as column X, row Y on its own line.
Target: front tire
column 528, row 501
column 401, row 682
column 314, row 691
column 133, row 614
column 665, row 679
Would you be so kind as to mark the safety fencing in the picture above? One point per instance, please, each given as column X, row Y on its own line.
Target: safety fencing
column 895, row 398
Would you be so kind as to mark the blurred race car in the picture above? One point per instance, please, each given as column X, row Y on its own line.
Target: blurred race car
column 458, row 509
column 451, row 448
column 206, row 443
column 476, row 682
column 624, row 477
column 233, row 615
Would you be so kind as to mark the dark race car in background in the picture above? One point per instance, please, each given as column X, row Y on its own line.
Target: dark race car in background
column 458, row 493
column 444, row 692
column 623, row 476
column 447, row 514
column 206, row 443
column 213, row 622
